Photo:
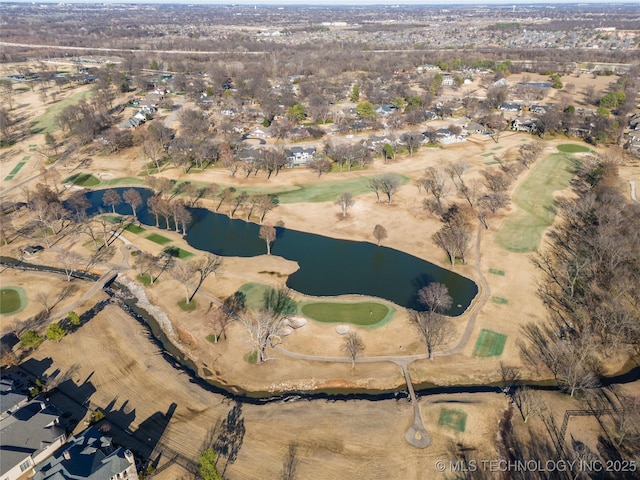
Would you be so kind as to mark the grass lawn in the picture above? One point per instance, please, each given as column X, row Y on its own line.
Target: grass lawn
column 144, row 279
column 133, row 228
column 12, row 300
column 187, row 307
column 83, row 180
column 178, row 252
column 159, row 239
column 123, row 181
column 47, row 123
column 495, row 271
column 254, row 293
column 362, row 313
column 499, row 300
column 573, row 148
column 489, row 344
column 522, row 230
column 453, row 418
column 113, row 219
column 251, row 357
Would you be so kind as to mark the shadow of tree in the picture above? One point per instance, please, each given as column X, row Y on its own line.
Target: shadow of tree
column 229, row 436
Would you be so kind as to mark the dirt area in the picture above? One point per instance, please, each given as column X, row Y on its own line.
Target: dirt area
column 335, row 439
column 36, row 283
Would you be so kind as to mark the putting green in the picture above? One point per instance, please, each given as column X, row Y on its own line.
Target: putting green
column 573, row 148
column 453, row 418
column 12, row 300
column 366, row 314
column 82, row 180
column 489, row 344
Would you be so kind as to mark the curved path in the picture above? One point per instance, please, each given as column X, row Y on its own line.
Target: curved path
column 416, row 435
column 632, row 184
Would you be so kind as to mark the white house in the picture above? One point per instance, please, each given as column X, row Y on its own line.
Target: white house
column 300, row 156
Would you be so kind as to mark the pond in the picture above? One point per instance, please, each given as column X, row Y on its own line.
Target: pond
column 327, row 266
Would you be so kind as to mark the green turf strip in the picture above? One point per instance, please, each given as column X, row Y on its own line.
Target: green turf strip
column 489, row 344
column 453, row 418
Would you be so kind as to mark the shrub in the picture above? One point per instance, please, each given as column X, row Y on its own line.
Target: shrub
column 31, row 339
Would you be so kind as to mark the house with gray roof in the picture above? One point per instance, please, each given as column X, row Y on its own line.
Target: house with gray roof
column 299, row 156
column 89, row 456
column 10, row 399
column 29, row 436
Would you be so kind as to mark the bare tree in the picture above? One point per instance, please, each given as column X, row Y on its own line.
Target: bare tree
column 435, row 182
column 412, row 140
column 69, row 261
column 528, row 402
column 435, row 297
column 44, row 299
column 264, row 325
column 206, row 265
column 133, row 198
column 434, row 328
column 353, row 346
column 320, row 165
column 111, row 198
column 268, row 234
column 379, row 233
column 388, row 183
column 345, row 201
column 183, row 272
column 264, row 204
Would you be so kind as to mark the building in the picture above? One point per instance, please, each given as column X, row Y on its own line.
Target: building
column 30, row 434
column 300, row 156
column 90, row 455
column 10, row 399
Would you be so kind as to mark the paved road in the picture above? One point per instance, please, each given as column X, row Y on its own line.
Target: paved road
column 172, row 116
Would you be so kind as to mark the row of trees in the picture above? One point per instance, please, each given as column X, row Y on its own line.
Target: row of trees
column 590, row 273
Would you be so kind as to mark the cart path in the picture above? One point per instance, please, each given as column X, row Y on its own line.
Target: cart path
column 417, row 435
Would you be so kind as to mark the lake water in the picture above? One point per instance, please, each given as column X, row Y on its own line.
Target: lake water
column 327, row 266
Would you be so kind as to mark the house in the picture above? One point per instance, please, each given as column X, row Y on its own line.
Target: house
column 376, row 140
column 300, row 156
column 427, row 67
column 503, row 82
column 509, row 107
column 524, row 125
column 430, row 115
column 385, row 110
column 249, row 154
column 88, row 456
column 538, row 109
column 448, row 80
column 473, row 127
column 258, row 133
column 32, row 250
column 10, row 399
column 446, row 136
column 29, row 435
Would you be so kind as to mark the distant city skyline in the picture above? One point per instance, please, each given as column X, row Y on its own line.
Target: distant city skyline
column 363, row 3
